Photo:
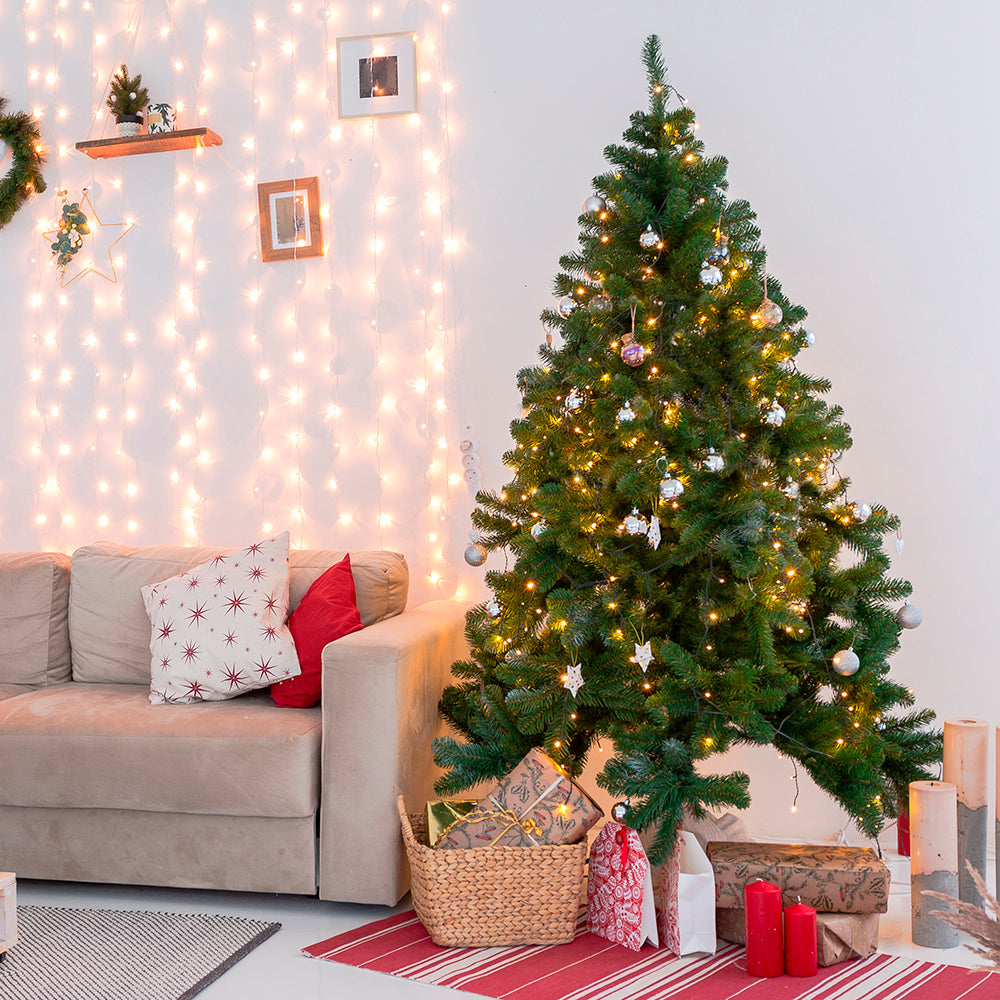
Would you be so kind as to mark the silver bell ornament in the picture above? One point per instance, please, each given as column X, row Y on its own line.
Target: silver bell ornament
column 710, row 274
column 594, row 205
column 862, row 511
column 650, row 239
column 791, row 489
column 775, row 415
column 567, row 304
column 626, row 414
column 635, row 524
column 714, row 462
column 768, row 313
column 574, row 400
column 539, row 528
column 601, row 303
column 846, row 662
column 475, row 554
column 909, row 616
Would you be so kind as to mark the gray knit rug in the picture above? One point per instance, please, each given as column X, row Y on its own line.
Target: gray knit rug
column 64, row 954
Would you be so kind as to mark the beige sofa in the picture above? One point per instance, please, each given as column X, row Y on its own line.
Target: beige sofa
column 97, row 785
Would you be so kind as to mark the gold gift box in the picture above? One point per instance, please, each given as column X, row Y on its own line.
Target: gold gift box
column 441, row 813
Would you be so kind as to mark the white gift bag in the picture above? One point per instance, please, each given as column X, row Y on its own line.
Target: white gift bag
column 687, row 899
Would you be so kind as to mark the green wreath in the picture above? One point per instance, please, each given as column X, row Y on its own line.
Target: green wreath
column 20, row 132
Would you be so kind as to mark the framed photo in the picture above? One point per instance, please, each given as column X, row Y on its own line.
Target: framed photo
column 289, row 217
column 378, row 75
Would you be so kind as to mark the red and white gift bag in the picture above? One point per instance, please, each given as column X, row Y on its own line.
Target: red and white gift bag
column 620, row 903
column 687, row 899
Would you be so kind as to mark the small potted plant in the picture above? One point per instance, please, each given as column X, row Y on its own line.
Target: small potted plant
column 127, row 99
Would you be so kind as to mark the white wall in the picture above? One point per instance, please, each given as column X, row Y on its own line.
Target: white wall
column 863, row 134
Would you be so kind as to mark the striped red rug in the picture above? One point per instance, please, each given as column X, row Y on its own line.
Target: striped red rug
column 590, row 968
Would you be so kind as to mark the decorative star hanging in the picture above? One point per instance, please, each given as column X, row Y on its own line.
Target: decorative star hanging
column 653, row 534
column 574, row 678
column 643, row 655
column 88, row 255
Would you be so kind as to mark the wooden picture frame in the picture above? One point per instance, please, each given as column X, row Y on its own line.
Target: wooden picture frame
column 377, row 75
column 289, row 217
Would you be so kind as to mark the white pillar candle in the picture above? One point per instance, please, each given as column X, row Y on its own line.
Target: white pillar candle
column 933, row 859
column 966, row 766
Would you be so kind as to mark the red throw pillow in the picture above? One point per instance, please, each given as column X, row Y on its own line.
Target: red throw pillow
column 328, row 611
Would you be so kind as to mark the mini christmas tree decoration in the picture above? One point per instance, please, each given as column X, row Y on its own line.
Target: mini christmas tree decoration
column 127, row 98
column 595, row 205
column 737, row 580
column 909, row 616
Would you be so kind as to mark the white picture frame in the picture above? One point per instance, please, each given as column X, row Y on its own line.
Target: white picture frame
column 377, row 75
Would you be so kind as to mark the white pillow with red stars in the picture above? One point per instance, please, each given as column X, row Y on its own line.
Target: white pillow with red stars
column 219, row 629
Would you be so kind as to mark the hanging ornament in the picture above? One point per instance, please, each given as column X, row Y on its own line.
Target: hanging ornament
column 475, row 554
column 653, row 535
column 768, row 313
column 626, row 414
column 791, row 489
column 809, row 337
column 633, row 354
column 650, row 239
column 594, row 205
column 670, row 488
column 643, row 655
column 846, row 662
column 538, row 529
column 710, row 274
column 493, row 608
column 574, row 678
column 719, row 254
column 601, row 303
column 909, row 615
column 862, row 511
column 635, row 524
column 775, row 415
column 899, row 540
column 714, row 462
column 566, row 306
column 574, row 400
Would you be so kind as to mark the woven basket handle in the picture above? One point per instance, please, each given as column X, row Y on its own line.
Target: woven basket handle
column 404, row 821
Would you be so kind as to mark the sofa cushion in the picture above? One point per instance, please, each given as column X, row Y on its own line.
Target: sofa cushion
column 110, row 630
column 326, row 613
column 34, row 624
column 219, row 629
column 103, row 746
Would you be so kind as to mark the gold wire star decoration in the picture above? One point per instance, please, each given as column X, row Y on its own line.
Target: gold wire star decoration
column 99, row 233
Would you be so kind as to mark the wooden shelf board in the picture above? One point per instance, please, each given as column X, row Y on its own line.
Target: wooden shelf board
column 157, row 142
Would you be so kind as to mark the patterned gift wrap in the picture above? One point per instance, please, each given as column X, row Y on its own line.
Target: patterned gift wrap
column 535, row 804
column 839, row 936
column 832, row 879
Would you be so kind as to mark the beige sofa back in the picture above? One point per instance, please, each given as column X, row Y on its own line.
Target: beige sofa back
column 34, row 629
column 109, row 629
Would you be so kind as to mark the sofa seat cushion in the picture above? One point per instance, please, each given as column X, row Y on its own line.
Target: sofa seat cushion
column 13, row 690
column 104, row 746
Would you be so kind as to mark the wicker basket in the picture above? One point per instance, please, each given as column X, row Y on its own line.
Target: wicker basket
column 494, row 895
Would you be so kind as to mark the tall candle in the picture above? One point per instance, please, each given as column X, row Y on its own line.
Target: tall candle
column 762, row 902
column 966, row 765
column 933, row 859
column 800, row 940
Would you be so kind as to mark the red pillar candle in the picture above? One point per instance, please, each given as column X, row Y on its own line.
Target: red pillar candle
column 903, row 832
column 800, row 940
column 762, row 902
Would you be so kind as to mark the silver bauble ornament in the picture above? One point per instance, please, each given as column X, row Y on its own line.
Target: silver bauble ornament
column 493, row 609
column 862, row 511
column 714, row 462
column 538, row 529
column 775, row 415
column 633, row 354
column 635, row 524
column 626, row 414
column 567, row 304
column 809, row 337
column 768, row 313
column 909, row 616
column 649, row 238
column 670, row 488
column 475, row 554
column 601, row 303
column 594, row 205
column 791, row 489
column 574, row 400
column 846, row 662
column 710, row 274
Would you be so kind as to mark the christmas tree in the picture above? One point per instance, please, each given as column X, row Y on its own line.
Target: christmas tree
column 685, row 570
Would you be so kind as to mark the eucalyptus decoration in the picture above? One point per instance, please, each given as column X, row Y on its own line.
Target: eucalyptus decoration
column 20, row 132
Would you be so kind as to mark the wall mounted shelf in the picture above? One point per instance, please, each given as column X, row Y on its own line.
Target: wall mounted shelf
column 157, row 142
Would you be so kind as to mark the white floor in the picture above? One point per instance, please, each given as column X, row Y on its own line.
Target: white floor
column 277, row 969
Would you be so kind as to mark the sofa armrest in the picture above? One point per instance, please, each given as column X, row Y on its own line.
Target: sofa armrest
column 381, row 688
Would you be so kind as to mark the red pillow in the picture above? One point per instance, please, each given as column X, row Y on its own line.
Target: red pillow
column 327, row 611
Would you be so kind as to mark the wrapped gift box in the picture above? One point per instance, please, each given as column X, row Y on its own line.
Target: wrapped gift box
column 832, row 879
column 442, row 813
column 839, row 936
column 535, row 804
